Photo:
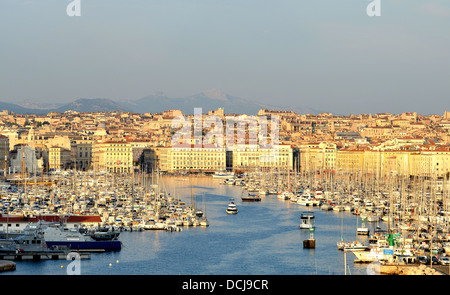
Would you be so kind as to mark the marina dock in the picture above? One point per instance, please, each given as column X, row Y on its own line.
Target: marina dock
column 37, row 256
column 414, row 215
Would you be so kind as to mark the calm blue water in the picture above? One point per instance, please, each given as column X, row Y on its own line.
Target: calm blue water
column 262, row 239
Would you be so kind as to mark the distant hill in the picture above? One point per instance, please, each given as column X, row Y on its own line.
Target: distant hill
column 207, row 100
column 156, row 103
column 92, row 105
column 19, row 109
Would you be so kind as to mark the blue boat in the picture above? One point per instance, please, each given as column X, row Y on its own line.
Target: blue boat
column 56, row 234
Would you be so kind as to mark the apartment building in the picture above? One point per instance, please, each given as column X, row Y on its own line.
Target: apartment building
column 195, row 159
column 113, row 156
column 59, row 158
column 251, row 157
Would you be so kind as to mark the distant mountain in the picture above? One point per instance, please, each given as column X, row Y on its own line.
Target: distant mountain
column 156, row 103
column 19, row 109
column 29, row 104
column 207, row 100
column 92, row 105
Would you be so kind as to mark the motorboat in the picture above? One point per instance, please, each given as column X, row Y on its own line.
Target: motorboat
column 251, row 197
column 307, row 220
column 223, row 175
column 363, row 231
column 355, row 246
column 58, row 235
column 232, row 208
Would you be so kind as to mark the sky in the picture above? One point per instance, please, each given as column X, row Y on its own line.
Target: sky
column 324, row 54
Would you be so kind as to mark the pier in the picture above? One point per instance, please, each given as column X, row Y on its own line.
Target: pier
column 37, row 256
column 414, row 214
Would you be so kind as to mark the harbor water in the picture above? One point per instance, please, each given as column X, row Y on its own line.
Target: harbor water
column 264, row 238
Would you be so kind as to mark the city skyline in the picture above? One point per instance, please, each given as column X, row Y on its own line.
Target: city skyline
column 322, row 55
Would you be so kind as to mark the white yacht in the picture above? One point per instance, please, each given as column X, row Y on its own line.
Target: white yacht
column 232, row 208
column 307, row 220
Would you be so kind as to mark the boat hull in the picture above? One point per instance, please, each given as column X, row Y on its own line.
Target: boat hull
column 88, row 245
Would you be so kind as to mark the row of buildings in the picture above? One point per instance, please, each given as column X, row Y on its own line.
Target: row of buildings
column 381, row 144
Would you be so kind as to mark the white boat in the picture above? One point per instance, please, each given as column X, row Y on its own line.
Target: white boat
column 204, row 222
column 307, row 220
column 232, row 208
column 318, row 194
column 223, row 175
column 373, row 218
column 355, row 246
column 263, row 192
column 326, row 207
column 362, row 231
column 229, row 181
column 154, row 226
column 338, row 208
column 302, row 200
column 313, row 202
column 375, row 254
column 348, row 207
column 285, row 195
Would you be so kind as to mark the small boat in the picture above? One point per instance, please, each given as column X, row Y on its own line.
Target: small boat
column 285, row 195
column 355, row 246
column 326, row 207
column 204, row 222
column 307, row 220
column 373, row 218
column 199, row 213
column 223, row 175
column 363, row 231
column 251, row 197
column 58, row 235
column 313, row 202
column 232, row 208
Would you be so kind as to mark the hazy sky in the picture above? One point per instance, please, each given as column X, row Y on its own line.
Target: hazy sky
column 325, row 54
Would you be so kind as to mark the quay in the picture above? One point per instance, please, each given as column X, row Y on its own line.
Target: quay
column 6, row 265
column 416, row 269
column 37, row 256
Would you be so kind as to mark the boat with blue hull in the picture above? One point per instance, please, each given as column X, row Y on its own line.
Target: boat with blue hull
column 88, row 245
column 56, row 234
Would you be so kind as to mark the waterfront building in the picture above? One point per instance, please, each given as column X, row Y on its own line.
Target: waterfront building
column 59, row 158
column 318, row 157
column 4, row 152
column 195, row 159
column 251, row 157
column 82, row 155
column 113, row 156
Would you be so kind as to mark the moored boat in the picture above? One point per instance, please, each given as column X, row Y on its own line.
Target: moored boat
column 58, row 235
